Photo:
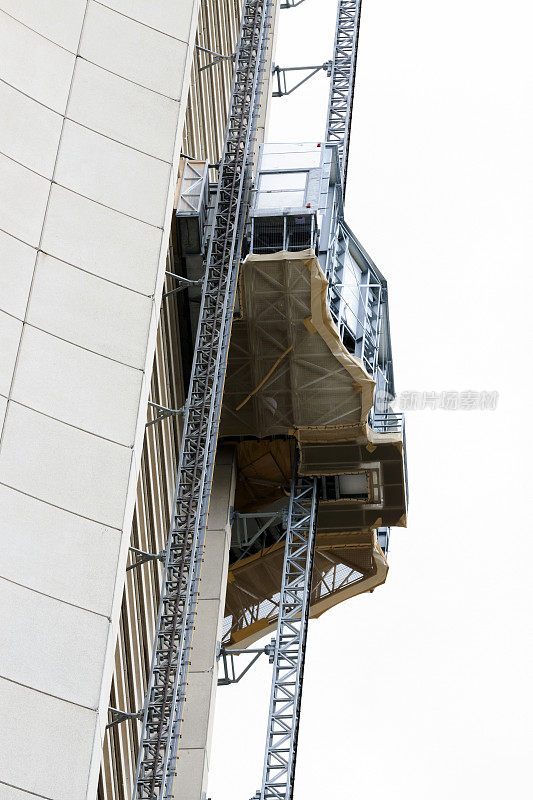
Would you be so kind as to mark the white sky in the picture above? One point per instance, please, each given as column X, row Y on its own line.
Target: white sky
column 422, row 689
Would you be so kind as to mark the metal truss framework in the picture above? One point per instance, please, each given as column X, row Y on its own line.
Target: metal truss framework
column 179, row 593
column 343, row 79
column 289, row 649
column 252, row 529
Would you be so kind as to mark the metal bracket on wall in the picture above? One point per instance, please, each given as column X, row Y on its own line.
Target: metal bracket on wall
column 280, row 75
column 143, row 557
column 183, row 283
column 118, row 716
column 228, row 661
column 244, row 538
column 218, row 57
column 163, row 412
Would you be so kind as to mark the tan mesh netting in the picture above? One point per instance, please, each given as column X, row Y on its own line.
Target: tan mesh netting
column 345, row 565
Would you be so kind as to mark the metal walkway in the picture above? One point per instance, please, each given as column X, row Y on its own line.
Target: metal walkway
column 179, row 593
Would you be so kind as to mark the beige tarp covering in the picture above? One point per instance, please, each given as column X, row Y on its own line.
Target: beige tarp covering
column 265, row 470
column 345, row 565
column 288, row 371
column 289, row 375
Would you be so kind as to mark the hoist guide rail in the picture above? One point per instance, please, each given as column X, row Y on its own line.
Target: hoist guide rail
column 165, row 696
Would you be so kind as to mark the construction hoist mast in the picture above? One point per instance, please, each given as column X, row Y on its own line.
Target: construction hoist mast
column 291, row 637
column 165, row 695
column 293, row 616
column 342, row 84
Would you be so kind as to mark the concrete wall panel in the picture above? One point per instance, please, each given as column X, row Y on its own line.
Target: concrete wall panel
column 29, row 132
column 66, row 556
column 10, row 332
column 205, row 635
column 23, row 197
column 101, row 240
column 58, row 20
column 123, row 110
column 103, row 395
column 17, row 261
column 64, row 659
column 215, row 568
column 46, row 75
column 89, row 311
column 203, row 671
column 41, row 729
column 195, row 725
column 174, row 18
column 3, row 408
column 219, row 509
column 64, row 466
column 191, row 779
column 113, row 174
column 10, row 793
column 134, row 51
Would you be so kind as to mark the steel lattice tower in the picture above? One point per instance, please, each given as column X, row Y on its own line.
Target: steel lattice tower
column 342, row 84
column 291, row 636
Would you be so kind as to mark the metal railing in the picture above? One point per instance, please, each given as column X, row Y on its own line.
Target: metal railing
column 387, row 421
column 283, row 232
column 392, row 422
column 356, row 305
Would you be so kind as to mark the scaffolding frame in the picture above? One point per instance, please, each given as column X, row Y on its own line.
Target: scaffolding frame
column 290, row 643
column 342, row 84
column 167, row 680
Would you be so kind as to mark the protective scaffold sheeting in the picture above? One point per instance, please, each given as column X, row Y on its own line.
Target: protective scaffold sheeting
column 291, row 378
column 345, row 565
column 276, row 339
column 288, row 371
